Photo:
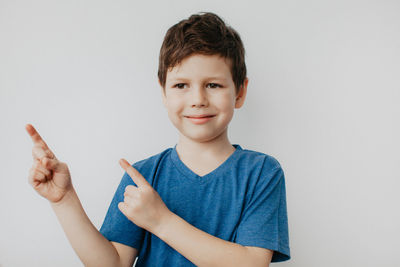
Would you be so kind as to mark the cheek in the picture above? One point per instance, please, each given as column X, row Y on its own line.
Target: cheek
column 175, row 107
column 225, row 104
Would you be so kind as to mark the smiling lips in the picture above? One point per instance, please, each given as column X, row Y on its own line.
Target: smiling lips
column 200, row 119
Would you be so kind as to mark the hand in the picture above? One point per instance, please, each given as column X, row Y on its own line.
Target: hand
column 142, row 204
column 48, row 176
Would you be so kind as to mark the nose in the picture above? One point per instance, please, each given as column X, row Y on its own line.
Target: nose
column 199, row 96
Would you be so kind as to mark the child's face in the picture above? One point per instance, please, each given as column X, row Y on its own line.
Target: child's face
column 202, row 85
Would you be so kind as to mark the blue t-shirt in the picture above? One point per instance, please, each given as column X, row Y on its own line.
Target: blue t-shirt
column 242, row 201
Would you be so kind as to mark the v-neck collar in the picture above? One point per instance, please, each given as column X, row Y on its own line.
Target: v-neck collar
column 188, row 173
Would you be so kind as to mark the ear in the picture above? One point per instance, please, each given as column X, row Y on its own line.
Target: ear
column 241, row 96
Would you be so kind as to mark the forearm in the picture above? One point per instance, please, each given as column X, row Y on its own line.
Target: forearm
column 90, row 245
column 199, row 247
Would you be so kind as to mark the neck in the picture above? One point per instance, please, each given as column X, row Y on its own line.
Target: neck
column 217, row 147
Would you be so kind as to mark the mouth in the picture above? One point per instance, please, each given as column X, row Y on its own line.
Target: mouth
column 199, row 117
column 200, row 120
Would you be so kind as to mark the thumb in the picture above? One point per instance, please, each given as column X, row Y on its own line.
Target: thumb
column 51, row 164
column 122, row 207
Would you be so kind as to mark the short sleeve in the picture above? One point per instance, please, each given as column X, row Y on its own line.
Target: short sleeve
column 264, row 220
column 116, row 226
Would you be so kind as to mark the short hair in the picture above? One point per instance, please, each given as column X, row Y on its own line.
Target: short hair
column 207, row 34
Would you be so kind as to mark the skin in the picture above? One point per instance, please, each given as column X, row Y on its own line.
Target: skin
column 191, row 90
column 48, row 176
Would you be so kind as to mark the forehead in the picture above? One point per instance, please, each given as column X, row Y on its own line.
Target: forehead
column 201, row 66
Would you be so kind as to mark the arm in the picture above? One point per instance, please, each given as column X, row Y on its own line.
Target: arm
column 90, row 245
column 52, row 180
column 143, row 206
column 203, row 249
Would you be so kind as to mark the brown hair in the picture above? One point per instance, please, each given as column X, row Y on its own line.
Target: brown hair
column 203, row 33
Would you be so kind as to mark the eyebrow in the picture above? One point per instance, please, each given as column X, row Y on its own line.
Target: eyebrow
column 208, row 78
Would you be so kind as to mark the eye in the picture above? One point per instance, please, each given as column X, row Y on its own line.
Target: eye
column 214, row 85
column 179, row 85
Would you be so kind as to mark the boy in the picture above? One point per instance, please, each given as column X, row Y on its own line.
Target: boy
column 203, row 202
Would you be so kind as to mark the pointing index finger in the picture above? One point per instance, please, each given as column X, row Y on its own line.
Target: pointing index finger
column 133, row 173
column 36, row 138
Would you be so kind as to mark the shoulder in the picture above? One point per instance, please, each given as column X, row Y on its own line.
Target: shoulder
column 147, row 167
column 260, row 160
column 151, row 161
column 264, row 170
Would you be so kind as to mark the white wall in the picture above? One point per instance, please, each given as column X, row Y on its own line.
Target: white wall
column 322, row 98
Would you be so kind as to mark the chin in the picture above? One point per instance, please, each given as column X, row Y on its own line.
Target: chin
column 201, row 137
